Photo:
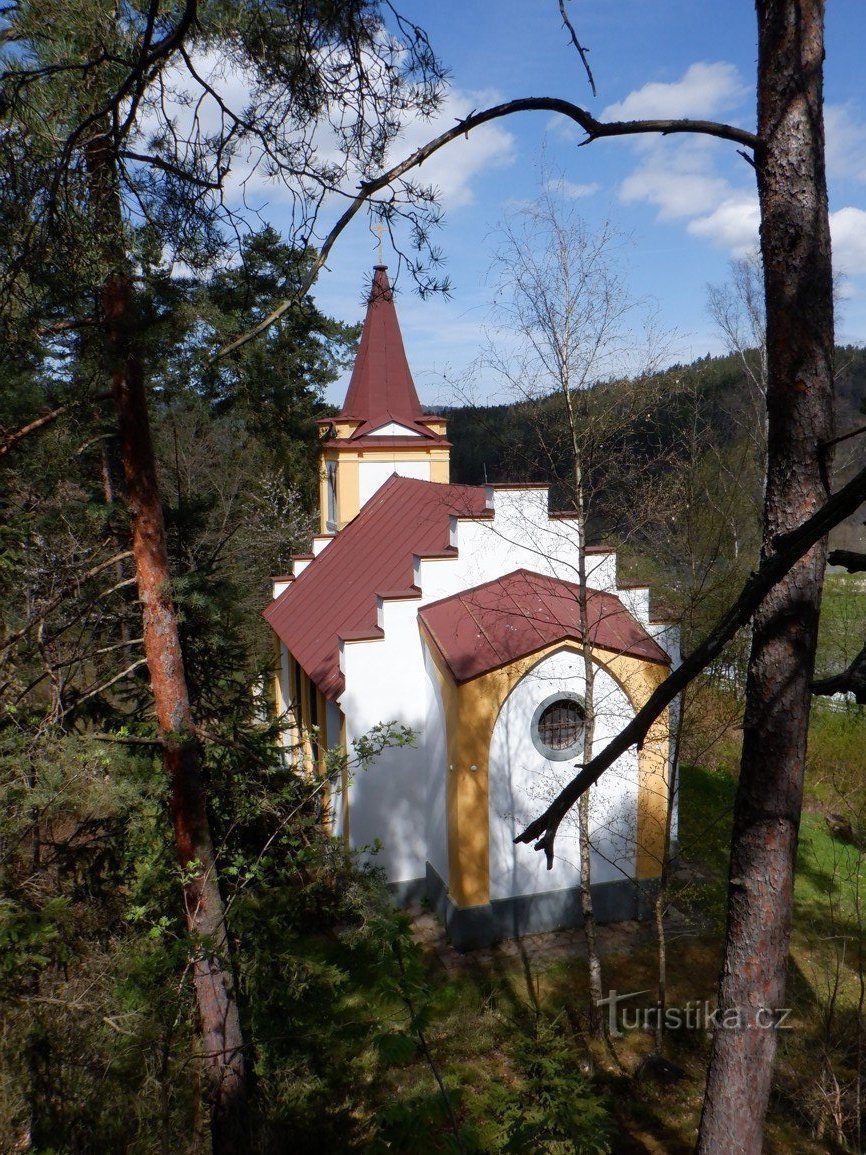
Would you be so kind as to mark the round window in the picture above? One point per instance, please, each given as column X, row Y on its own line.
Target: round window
column 557, row 727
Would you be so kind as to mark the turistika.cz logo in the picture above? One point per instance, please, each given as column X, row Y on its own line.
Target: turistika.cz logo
column 698, row 1015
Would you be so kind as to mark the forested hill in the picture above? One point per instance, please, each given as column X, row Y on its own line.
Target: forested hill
column 523, row 440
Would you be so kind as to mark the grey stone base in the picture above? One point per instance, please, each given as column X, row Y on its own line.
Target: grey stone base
column 413, row 890
column 469, row 928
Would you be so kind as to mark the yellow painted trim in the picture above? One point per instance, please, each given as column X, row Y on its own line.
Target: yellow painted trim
column 440, row 469
column 279, row 696
column 471, row 709
column 348, row 459
column 290, row 737
column 348, row 490
column 323, row 492
column 322, row 764
column 306, row 746
column 424, row 452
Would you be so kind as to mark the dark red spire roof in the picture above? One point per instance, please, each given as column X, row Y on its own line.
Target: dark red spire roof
column 381, row 389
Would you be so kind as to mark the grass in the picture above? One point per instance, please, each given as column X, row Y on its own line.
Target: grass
column 508, row 1032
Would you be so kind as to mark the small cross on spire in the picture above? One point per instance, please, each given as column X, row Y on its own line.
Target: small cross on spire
column 380, row 229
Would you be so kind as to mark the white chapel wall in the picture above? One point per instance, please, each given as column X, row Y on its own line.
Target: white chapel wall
column 522, row 782
column 386, row 681
column 436, row 743
column 372, row 475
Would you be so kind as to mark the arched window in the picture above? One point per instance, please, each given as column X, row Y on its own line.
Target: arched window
column 558, row 725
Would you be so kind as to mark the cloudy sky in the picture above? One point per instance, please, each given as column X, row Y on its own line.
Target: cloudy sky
column 687, row 205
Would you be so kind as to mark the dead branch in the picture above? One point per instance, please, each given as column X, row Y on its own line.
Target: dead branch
column 38, row 423
column 56, row 601
column 130, row 669
column 844, row 437
column 850, row 681
column 581, row 51
column 852, row 561
column 790, row 547
column 594, row 129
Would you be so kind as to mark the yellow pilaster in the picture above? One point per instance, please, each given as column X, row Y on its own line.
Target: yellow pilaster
column 348, row 489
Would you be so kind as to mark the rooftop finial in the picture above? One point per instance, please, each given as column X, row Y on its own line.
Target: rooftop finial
column 380, row 229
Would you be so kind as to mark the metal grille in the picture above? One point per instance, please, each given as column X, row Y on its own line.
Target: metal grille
column 560, row 724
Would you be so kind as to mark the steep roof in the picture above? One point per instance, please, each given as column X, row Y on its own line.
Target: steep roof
column 500, row 621
column 335, row 595
column 381, row 389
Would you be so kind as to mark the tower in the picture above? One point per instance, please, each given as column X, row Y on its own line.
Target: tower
column 381, row 428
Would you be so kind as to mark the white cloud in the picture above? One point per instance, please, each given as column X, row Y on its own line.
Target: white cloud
column 678, row 179
column 455, row 167
column 848, row 232
column 572, row 191
column 453, row 170
column 732, row 225
column 703, row 91
column 846, row 142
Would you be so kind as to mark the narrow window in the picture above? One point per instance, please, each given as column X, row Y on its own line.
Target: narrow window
column 331, row 486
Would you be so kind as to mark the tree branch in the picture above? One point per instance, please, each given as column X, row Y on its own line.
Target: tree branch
column 790, row 547
column 56, row 601
column 581, row 51
column 850, row 681
column 852, row 561
column 130, row 669
column 34, row 426
column 594, row 129
column 172, row 169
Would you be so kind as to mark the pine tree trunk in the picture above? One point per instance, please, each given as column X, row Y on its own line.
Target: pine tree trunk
column 222, row 1043
column 796, row 252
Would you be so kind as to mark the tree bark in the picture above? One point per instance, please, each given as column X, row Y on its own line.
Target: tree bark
column 795, row 244
column 214, row 986
column 222, row 1043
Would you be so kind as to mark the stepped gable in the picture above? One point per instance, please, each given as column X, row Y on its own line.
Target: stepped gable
column 381, row 390
column 494, row 624
column 334, row 596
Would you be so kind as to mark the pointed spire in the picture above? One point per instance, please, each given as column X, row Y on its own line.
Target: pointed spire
column 381, row 389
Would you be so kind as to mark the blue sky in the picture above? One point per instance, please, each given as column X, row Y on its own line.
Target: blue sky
column 687, row 205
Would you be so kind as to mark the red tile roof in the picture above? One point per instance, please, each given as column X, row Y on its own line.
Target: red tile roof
column 335, row 595
column 500, row 621
column 381, row 389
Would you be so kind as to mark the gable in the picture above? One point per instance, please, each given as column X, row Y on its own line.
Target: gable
column 335, row 596
column 494, row 624
column 393, row 429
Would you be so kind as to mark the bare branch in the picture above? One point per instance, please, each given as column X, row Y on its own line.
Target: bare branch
column 843, row 437
column 850, row 681
column 172, row 169
column 56, row 601
column 130, row 669
column 581, row 51
column 789, row 549
column 594, row 129
column 852, row 561
column 34, row 426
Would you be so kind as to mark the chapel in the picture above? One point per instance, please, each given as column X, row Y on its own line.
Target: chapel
column 453, row 610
